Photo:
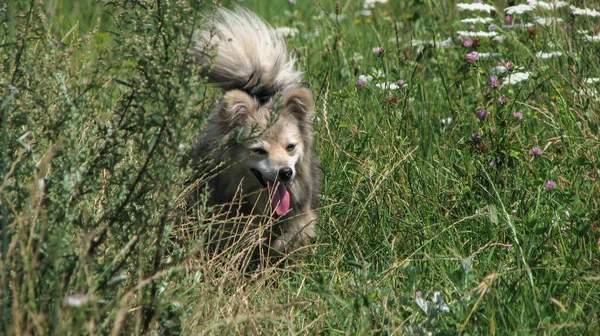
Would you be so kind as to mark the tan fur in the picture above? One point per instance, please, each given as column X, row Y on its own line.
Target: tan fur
column 263, row 125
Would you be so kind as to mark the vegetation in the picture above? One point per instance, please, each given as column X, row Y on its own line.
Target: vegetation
column 460, row 175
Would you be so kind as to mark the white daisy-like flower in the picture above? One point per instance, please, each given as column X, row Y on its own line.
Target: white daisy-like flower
column 551, row 54
column 547, row 21
column 516, row 77
column 592, row 38
column 476, row 7
column 518, row 9
column 592, row 80
column 477, row 20
column 584, row 11
column 287, row 31
column 547, row 5
column 479, row 33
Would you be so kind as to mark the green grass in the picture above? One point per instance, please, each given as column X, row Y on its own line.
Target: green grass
column 98, row 123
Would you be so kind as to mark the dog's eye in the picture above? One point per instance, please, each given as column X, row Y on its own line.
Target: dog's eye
column 259, row 151
column 290, row 147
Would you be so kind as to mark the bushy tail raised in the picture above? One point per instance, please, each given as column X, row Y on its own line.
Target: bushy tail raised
column 241, row 51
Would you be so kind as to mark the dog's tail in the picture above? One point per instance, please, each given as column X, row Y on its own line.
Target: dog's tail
column 238, row 50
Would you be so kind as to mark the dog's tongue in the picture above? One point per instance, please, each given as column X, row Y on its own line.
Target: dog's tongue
column 281, row 199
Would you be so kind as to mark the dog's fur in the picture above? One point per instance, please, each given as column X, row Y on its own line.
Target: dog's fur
column 260, row 138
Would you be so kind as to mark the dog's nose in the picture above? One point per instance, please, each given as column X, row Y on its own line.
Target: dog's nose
column 285, row 174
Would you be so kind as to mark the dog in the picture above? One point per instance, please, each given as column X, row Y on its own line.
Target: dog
column 259, row 139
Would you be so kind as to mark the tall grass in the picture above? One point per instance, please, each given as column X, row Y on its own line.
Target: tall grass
column 435, row 218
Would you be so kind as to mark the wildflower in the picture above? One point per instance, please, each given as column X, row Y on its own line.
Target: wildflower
column 508, row 20
column 472, row 57
column 507, row 65
column 467, row 43
column 365, row 79
column 544, row 5
column 360, row 83
column 592, row 80
column 387, row 86
column 474, row 33
column 547, row 21
column 488, row 55
column 492, row 164
column 494, row 82
column 287, row 31
column 550, row 185
column 293, row 2
column 518, row 115
column 476, row 7
column 78, row 300
column 518, row 9
column 446, row 121
column 472, row 28
column 400, row 82
column 378, row 51
column 492, row 129
column 516, row 78
column 477, row 20
column 493, row 27
column 481, row 114
column 503, row 100
column 536, row 150
column 584, row 11
column 548, row 54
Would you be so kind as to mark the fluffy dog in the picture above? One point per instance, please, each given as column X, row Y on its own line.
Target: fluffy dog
column 259, row 140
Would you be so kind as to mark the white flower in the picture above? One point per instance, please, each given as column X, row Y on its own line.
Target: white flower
column 584, row 11
column 371, row 3
column 477, row 20
column 366, row 12
column 545, row 55
column 476, row 7
column 365, row 78
column 334, row 16
column 517, row 25
column 547, row 21
column 287, row 31
column 445, row 43
column 489, row 55
column 479, row 33
column 592, row 38
column 516, row 77
column 387, row 86
column 78, row 300
column 446, row 121
column 547, row 5
column 518, row 9
column 592, row 80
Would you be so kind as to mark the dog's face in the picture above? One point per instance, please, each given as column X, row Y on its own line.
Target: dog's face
column 271, row 139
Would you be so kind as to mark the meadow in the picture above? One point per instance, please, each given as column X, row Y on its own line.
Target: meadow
column 460, row 171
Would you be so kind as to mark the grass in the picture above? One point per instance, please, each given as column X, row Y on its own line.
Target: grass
column 431, row 220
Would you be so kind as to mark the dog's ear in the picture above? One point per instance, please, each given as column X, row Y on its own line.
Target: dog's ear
column 235, row 107
column 299, row 102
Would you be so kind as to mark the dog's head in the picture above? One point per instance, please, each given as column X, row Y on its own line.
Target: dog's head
column 270, row 139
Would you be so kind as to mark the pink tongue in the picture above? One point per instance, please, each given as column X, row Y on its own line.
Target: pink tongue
column 281, row 199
